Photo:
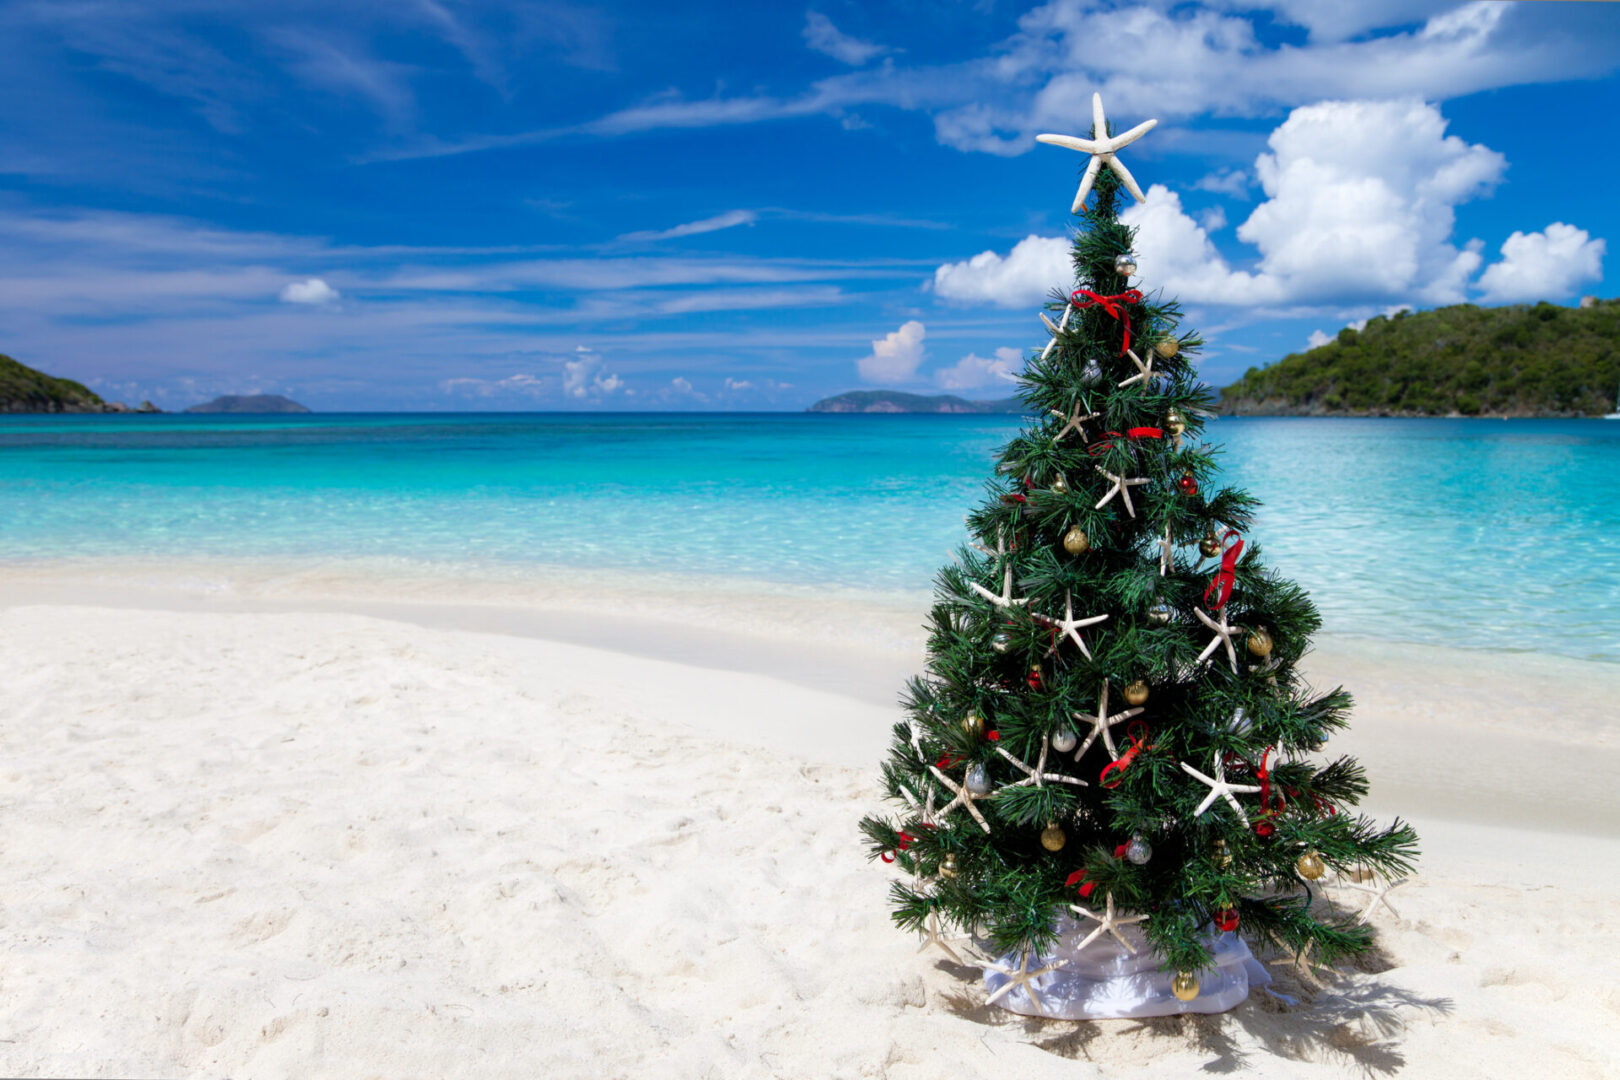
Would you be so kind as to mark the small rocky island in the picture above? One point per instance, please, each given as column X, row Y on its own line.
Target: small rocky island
column 249, row 403
column 894, row 401
column 25, row 390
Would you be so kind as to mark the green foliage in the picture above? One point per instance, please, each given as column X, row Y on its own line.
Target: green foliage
column 22, row 389
column 897, row 401
column 1009, row 666
column 1519, row 360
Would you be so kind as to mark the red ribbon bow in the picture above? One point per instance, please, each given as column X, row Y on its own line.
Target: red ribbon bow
column 1110, row 304
column 1079, row 876
column 1104, row 444
column 1221, row 584
column 1138, row 733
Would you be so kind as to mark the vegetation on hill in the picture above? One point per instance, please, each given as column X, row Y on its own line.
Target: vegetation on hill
column 1521, row 360
column 24, row 390
column 894, row 401
column 249, row 403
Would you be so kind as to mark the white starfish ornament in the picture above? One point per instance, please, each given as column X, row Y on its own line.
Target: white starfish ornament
column 1108, row 923
column 1166, row 550
column 1101, row 723
column 1223, row 636
column 1144, row 372
column 1061, row 325
column 1035, row 777
column 1121, row 488
column 1102, row 148
column 965, row 797
column 1005, row 600
column 1069, row 626
column 1219, row 788
column 1073, row 422
column 932, row 936
column 1021, row 976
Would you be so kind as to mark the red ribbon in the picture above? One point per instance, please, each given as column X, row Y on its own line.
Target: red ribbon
column 1138, row 733
column 1221, row 584
column 946, row 760
column 1106, row 443
column 1110, row 304
column 905, row 842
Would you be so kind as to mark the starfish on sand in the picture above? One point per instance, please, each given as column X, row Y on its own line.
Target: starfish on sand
column 1102, row 147
column 1037, row 776
column 1122, row 488
column 1223, row 636
column 1220, row 788
column 1073, row 422
column 1144, row 372
column 964, row 798
column 932, row 936
column 1069, row 626
column 1057, row 328
column 1021, row 976
column 1108, row 923
column 1005, row 600
column 1380, row 895
column 1101, row 723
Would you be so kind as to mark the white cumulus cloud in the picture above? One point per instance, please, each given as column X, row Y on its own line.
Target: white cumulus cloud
column 1359, row 208
column 895, row 356
column 973, row 371
column 1034, row 266
column 1546, row 265
column 312, row 291
column 583, row 377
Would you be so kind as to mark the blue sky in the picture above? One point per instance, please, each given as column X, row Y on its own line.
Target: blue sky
column 433, row 204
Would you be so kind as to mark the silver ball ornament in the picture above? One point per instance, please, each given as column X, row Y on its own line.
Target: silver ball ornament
column 1125, row 265
column 1000, row 641
column 978, row 780
column 1091, row 376
column 1138, row 851
column 1064, row 741
column 1159, row 612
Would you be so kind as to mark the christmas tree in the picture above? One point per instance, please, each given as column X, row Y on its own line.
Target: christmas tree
column 1112, row 755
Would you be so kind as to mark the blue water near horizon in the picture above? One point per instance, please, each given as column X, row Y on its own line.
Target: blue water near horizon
column 1479, row 534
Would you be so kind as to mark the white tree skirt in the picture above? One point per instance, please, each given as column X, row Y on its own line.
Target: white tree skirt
column 1106, row 981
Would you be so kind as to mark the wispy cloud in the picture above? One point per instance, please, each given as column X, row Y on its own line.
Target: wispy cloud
column 730, row 219
column 825, row 38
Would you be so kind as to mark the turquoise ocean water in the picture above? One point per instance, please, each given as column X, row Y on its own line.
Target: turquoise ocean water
column 1482, row 534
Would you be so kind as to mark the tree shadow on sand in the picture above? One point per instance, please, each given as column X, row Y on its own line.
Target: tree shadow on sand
column 1349, row 1021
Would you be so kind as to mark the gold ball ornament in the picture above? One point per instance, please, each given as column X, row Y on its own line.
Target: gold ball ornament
column 1174, row 422
column 1060, row 485
column 1136, row 692
column 1052, row 838
column 973, row 724
column 1260, row 643
column 1076, row 542
column 1210, row 546
column 947, row 867
column 1184, row 986
column 1220, row 854
column 1168, row 348
column 1310, row 866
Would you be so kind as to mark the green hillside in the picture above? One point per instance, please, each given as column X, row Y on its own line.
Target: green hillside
column 24, row 390
column 896, row 401
column 1520, row 360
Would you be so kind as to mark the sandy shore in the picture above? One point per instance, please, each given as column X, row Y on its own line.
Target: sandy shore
column 266, row 837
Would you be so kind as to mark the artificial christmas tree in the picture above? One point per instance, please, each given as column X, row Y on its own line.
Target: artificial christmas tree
column 1108, row 773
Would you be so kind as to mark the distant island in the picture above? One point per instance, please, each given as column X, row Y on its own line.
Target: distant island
column 249, row 403
column 893, row 401
column 25, row 390
column 1465, row 360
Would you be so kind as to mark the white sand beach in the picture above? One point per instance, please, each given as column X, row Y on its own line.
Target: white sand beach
column 272, row 837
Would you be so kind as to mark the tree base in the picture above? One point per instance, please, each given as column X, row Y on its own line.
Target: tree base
column 1105, row 981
